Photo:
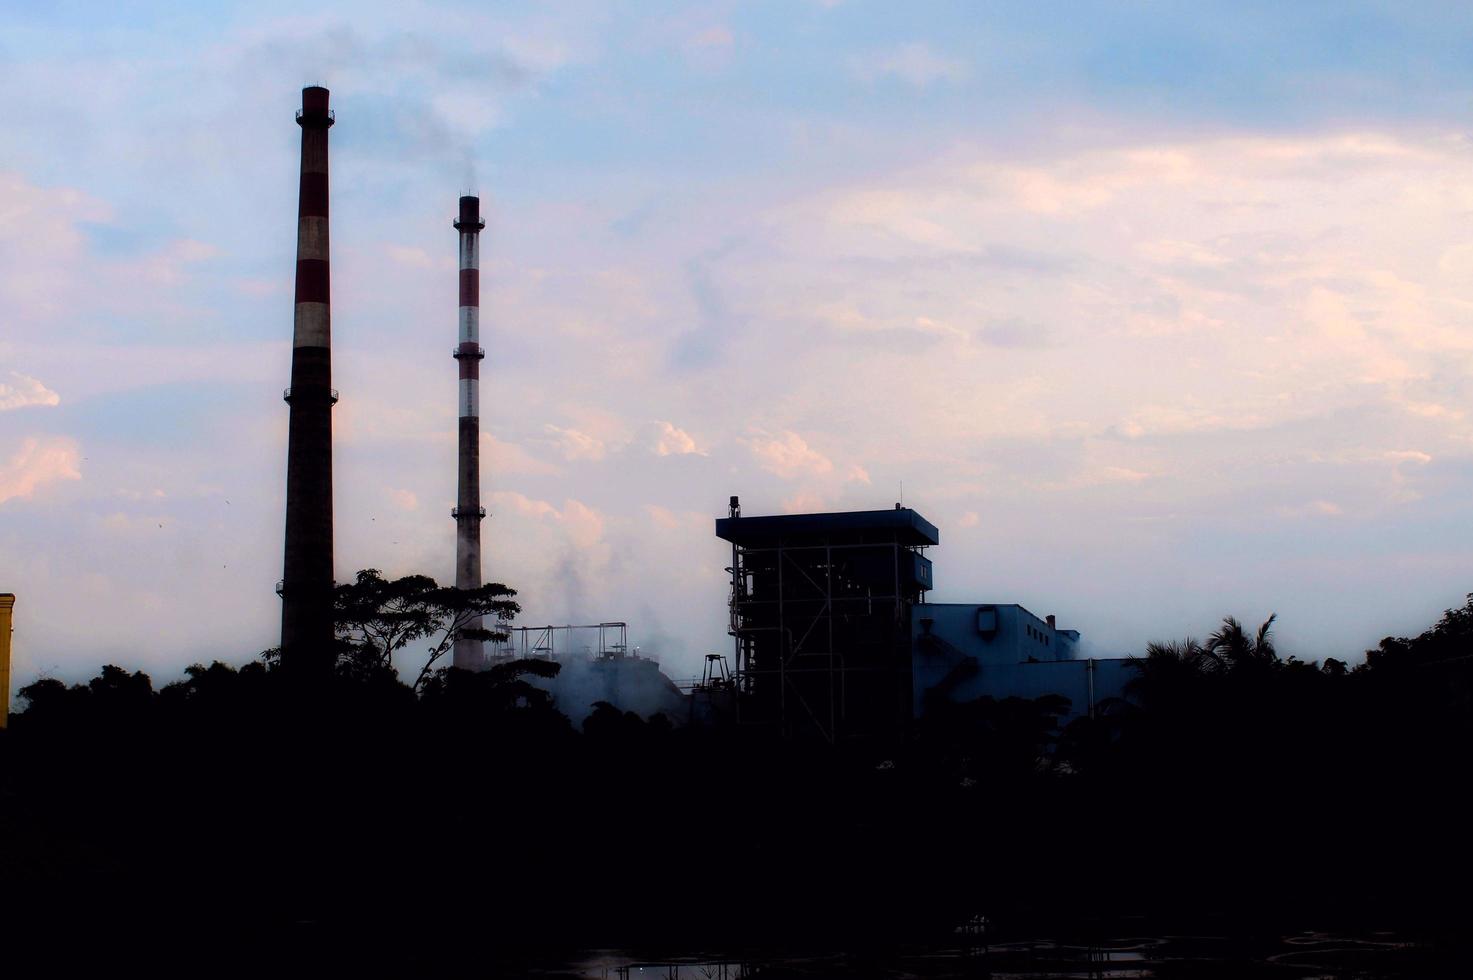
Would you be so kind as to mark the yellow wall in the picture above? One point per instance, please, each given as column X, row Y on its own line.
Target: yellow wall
column 7, row 602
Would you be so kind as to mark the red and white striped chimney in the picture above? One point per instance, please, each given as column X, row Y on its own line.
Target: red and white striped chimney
column 468, row 512
column 306, row 582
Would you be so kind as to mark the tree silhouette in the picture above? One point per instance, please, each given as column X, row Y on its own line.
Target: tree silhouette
column 375, row 617
column 1232, row 644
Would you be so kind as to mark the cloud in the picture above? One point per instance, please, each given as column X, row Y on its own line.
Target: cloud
column 805, row 502
column 787, row 455
column 23, row 391
column 583, row 525
column 169, row 265
column 1166, row 420
column 416, row 258
column 700, row 345
column 716, row 36
column 662, row 516
column 687, row 521
column 577, row 445
column 914, row 63
column 38, row 463
column 1025, row 316
column 404, row 499
column 1313, row 508
column 706, row 48
column 41, row 247
column 1013, row 334
column 510, row 458
column 134, row 525
column 259, row 286
column 1120, row 474
column 668, row 440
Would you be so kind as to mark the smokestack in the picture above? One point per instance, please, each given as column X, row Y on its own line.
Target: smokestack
column 306, row 585
column 7, row 604
column 468, row 511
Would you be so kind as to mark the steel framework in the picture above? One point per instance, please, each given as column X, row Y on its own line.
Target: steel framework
column 602, row 641
column 820, row 619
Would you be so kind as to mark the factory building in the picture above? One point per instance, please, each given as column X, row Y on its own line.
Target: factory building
column 833, row 635
column 965, row 651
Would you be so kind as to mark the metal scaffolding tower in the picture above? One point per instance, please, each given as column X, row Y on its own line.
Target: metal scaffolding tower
column 820, row 618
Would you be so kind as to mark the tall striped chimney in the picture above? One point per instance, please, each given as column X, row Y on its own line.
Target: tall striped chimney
column 468, row 511
column 306, row 586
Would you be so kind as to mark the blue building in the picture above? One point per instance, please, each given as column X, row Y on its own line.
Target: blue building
column 965, row 651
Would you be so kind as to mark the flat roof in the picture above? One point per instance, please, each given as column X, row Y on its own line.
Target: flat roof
column 902, row 523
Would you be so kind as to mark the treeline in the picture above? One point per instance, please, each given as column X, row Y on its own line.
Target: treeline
column 469, row 818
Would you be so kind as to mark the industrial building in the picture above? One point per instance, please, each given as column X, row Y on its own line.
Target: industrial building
column 833, row 635
column 821, row 617
column 962, row 651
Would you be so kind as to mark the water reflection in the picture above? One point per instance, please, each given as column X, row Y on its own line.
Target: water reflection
column 1303, row 956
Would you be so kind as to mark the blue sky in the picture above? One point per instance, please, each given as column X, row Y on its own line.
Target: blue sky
column 1161, row 311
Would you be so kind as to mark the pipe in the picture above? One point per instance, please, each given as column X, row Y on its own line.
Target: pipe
column 1090, row 673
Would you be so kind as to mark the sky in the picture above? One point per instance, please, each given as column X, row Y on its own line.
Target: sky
column 1160, row 311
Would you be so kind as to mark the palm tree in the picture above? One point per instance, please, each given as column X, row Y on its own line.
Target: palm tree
column 1168, row 668
column 1233, row 647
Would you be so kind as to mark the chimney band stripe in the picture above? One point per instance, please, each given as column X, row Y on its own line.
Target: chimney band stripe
column 470, row 287
column 314, row 152
column 312, row 281
column 312, row 196
column 312, row 326
column 312, row 238
column 470, row 398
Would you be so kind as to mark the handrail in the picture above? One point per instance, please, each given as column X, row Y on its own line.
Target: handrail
column 281, row 586
column 286, row 395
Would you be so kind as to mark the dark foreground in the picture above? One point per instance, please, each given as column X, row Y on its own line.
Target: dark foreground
column 228, row 820
column 369, row 848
